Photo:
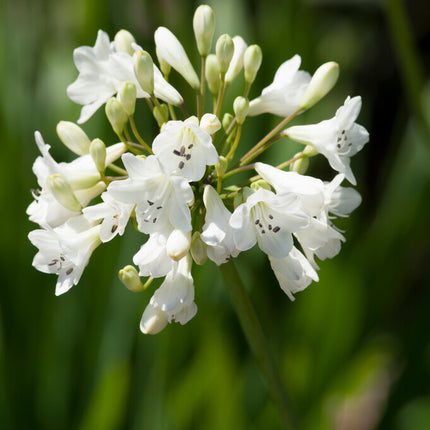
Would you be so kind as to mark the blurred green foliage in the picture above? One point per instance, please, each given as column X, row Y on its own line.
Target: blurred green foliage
column 354, row 349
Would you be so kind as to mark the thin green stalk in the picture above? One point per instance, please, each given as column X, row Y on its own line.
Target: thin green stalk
column 226, row 135
column 117, row 169
column 221, row 95
column 201, row 93
column 138, row 136
column 233, row 148
column 258, row 343
column 172, row 112
column 238, row 170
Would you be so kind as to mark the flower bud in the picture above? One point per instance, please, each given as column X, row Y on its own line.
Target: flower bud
column 236, row 63
column 204, row 27
column 221, row 166
column 198, row 249
column 164, row 65
column 127, row 96
column 98, row 154
column 227, row 119
column 60, row 188
column 161, row 113
column 210, row 123
column 122, row 42
column 212, row 73
column 144, row 70
column 252, row 62
column 116, row 114
column 301, row 165
column 73, row 137
column 321, row 83
column 131, row 279
column 310, row 151
column 260, row 183
column 224, row 51
column 153, row 320
column 178, row 244
column 240, row 107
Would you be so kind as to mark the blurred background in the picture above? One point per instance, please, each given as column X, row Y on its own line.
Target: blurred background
column 353, row 349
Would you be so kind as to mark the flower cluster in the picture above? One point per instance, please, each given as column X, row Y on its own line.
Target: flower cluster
column 177, row 191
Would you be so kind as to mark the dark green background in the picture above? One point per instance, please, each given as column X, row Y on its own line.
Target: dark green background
column 353, row 349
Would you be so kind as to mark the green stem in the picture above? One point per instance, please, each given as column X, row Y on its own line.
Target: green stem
column 221, row 95
column 138, row 136
column 258, row 343
column 201, row 93
column 233, row 148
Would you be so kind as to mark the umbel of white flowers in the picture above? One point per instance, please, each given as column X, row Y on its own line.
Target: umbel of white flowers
column 178, row 187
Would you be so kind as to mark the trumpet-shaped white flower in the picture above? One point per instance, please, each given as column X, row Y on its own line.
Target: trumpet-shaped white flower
column 309, row 190
column 184, row 149
column 161, row 200
column 338, row 139
column 217, row 232
column 65, row 251
column 284, row 95
column 115, row 216
column 269, row 220
column 294, row 272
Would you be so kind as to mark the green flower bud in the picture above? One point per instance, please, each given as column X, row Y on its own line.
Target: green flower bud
column 227, row 119
column 198, row 249
column 98, row 154
column 260, row 183
column 122, row 42
column 310, row 151
column 165, row 67
column 224, row 51
column 204, row 27
column 73, row 137
column 321, row 83
column 144, row 70
column 301, row 165
column 130, row 278
column 116, row 114
column 221, row 166
column 161, row 113
column 251, row 62
column 212, row 73
column 127, row 96
column 60, row 188
column 240, row 107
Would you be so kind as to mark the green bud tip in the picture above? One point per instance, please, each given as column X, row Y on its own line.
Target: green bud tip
column 144, row 70
column 98, row 154
column 224, row 51
column 240, row 107
column 122, row 42
column 204, row 26
column 130, row 278
column 198, row 249
column 127, row 96
column 301, row 165
column 212, row 73
column 116, row 114
column 251, row 62
column 73, row 137
column 60, row 188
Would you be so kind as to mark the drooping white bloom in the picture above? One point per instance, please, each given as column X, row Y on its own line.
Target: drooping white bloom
column 217, row 232
column 309, row 190
column 269, row 220
column 161, row 200
column 236, row 62
column 294, row 272
column 184, row 149
column 173, row 53
column 114, row 214
column 283, row 96
column 175, row 298
column 65, row 250
column 338, row 138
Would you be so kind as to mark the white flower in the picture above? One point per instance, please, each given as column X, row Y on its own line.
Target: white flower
column 236, row 62
column 114, row 214
column 217, row 232
column 161, row 200
column 65, row 250
column 337, row 139
column 283, row 96
column 173, row 53
column 309, row 190
column 294, row 272
column 269, row 220
column 184, row 149
column 175, row 298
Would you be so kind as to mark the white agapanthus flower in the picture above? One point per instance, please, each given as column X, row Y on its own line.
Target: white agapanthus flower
column 161, row 200
column 338, row 139
column 284, row 95
column 184, row 149
column 65, row 250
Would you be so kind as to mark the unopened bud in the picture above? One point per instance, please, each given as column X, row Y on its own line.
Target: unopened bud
column 60, row 188
column 122, row 42
column 178, row 244
column 252, row 62
column 301, row 165
column 198, row 249
column 236, row 63
column 165, row 67
column 204, row 26
column 98, row 154
column 116, row 114
column 210, row 123
column 161, row 113
column 212, row 73
column 131, row 279
column 260, row 183
column 73, row 137
column 227, row 119
column 240, row 107
column 127, row 96
column 144, row 70
column 310, row 151
column 321, row 83
column 153, row 320
column 221, row 166
column 224, row 51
